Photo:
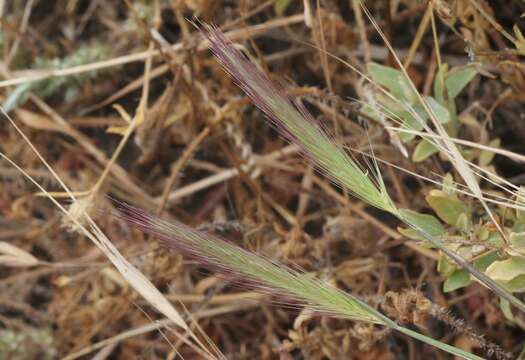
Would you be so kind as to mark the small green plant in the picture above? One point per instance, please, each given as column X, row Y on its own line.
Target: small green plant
column 49, row 87
column 27, row 344
column 280, row 6
column 403, row 106
column 476, row 240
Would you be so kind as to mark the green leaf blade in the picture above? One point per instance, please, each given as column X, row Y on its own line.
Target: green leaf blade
column 458, row 79
column 393, row 80
column 423, row 150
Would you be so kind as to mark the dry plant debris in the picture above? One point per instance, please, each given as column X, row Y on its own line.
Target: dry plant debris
column 123, row 99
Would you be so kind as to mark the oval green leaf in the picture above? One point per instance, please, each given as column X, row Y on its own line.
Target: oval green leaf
column 459, row 279
column 423, row 150
column 425, row 222
column 457, row 79
column 441, row 112
column 393, row 80
column 447, row 208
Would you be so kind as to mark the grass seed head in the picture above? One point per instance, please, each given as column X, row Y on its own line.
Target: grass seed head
column 250, row 269
column 295, row 122
column 77, row 211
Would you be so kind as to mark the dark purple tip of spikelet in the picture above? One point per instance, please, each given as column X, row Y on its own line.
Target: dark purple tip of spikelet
column 189, row 242
column 246, row 75
column 254, row 82
column 181, row 238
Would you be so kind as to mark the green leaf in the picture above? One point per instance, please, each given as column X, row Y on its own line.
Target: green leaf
column 411, row 122
column 460, row 278
column 448, row 185
column 428, row 223
column 18, row 96
column 483, row 232
column 485, row 157
column 371, row 112
column 517, row 241
column 517, row 284
column 280, row 6
column 50, row 86
column 504, row 305
column 506, row 270
column 485, row 261
column 423, row 150
column 464, row 223
column 445, row 267
column 509, row 272
column 393, row 80
column 411, row 234
column 438, row 83
column 441, row 112
column 518, row 225
column 495, row 239
column 457, row 79
column 447, row 207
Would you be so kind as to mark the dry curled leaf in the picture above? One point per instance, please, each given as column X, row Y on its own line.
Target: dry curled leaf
column 513, row 73
column 409, row 307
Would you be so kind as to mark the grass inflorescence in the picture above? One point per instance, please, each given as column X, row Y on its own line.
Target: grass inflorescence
column 294, row 122
column 268, row 276
column 171, row 155
column 249, row 268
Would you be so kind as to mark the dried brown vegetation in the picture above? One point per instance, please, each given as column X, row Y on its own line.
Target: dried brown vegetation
column 124, row 99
